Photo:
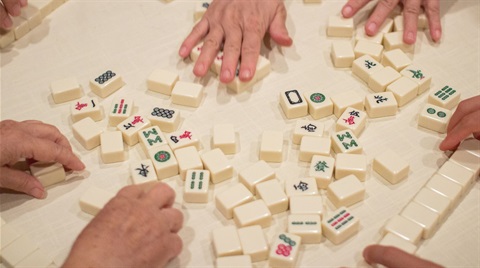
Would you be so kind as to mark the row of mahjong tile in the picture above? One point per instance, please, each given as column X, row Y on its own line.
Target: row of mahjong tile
column 30, row 17
column 18, row 250
column 162, row 81
column 423, row 215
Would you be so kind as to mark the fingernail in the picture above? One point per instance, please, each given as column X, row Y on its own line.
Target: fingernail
column 183, row 51
column 436, row 35
column 246, row 74
column 347, row 11
column 372, row 28
column 38, row 193
column 410, row 38
column 7, row 23
column 226, row 74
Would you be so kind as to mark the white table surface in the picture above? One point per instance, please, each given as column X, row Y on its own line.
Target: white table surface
column 85, row 38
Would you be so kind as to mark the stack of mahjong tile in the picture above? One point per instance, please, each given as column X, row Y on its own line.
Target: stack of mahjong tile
column 30, row 17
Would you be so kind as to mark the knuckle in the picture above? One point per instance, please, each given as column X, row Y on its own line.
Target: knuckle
column 389, row 4
column 413, row 10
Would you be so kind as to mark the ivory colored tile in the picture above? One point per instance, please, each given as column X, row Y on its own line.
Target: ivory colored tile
column 361, row 35
column 243, row 261
column 396, row 58
column 300, row 186
column 48, row 173
column 66, row 89
column 200, row 9
column 167, row 119
column 293, row 104
column 6, row 38
column 18, row 250
column 342, row 54
column 271, row 146
column 187, row 94
column 195, row 53
column 394, row 40
column 395, row 241
column 188, row 158
column 398, row 23
column 337, row 26
column 321, row 168
column 164, row 161
column 404, row 90
column 94, row 199
column 142, row 171
column 253, row 242
column 87, row 133
column 162, row 81
column 471, row 145
column 352, row 119
column 255, row 174
column 182, row 138
column 308, row 227
column 86, row 107
column 9, row 234
column 131, row 126
column 111, row 147
column 340, row 225
column 319, row 104
column 218, row 165
column 364, row 47
column 445, row 187
column 345, row 141
column 106, row 84
column 120, row 110
column 446, row 97
column 459, row 174
column 381, row 104
column 151, row 137
column 196, row 186
column 344, row 100
column 387, row 26
column 379, row 81
column 224, row 138
column 434, row 118
column 233, row 197
column 272, row 193
column 252, row 213
column 263, row 68
column 467, row 160
column 306, row 204
column 217, row 63
column 436, row 202
column 32, row 15
column 419, row 75
column 284, row 250
column 422, row 22
column 306, row 128
column 391, row 166
column 365, row 66
column 346, row 191
column 226, row 241
column 404, row 228
column 39, row 258
column 20, row 27
column 311, row 146
column 422, row 216
column 348, row 164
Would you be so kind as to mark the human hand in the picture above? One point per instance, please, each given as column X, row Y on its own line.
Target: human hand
column 136, row 228
column 10, row 8
column 240, row 26
column 411, row 10
column 32, row 140
column 464, row 121
column 393, row 257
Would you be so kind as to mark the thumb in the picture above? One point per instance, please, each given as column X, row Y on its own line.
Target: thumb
column 22, row 182
column 278, row 30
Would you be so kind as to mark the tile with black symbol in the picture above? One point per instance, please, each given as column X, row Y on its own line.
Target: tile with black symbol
column 142, row 171
column 340, row 225
column 226, row 242
column 300, row 186
column 86, row 107
column 164, row 161
column 345, row 141
column 419, row 75
column 347, row 99
column 233, row 197
column 434, row 118
column 131, row 126
column 106, row 83
column 293, row 104
column 321, row 168
column 120, row 110
column 167, row 119
column 307, row 226
column 319, row 104
column 255, row 174
column 381, row 104
column 151, row 137
column 182, row 138
column 307, row 128
column 446, row 97
column 365, row 66
column 196, row 186
column 272, row 193
column 352, row 119
column 284, row 250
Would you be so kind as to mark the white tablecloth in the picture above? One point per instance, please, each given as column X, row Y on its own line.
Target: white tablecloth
column 85, row 38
